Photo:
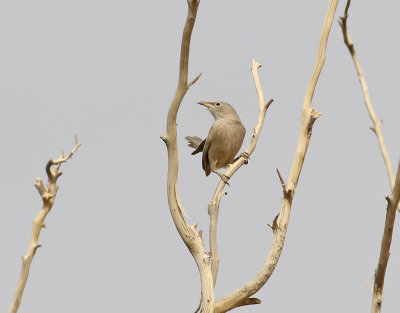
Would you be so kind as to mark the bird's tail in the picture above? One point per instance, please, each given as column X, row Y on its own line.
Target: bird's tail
column 194, row 141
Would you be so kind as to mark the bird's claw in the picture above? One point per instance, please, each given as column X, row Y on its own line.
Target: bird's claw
column 245, row 156
column 225, row 179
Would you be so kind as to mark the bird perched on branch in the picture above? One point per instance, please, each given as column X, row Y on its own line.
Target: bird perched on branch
column 223, row 141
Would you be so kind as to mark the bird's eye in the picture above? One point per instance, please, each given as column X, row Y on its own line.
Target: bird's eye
column 218, row 104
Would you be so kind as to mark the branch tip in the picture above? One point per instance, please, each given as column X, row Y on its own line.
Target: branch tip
column 256, row 64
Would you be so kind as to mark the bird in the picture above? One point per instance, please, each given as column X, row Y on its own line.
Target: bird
column 223, row 141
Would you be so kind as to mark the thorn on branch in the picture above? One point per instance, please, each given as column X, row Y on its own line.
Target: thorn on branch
column 268, row 103
column 36, row 247
column 164, row 138
column 274, row 223
column 253, row 301
column 282, row 181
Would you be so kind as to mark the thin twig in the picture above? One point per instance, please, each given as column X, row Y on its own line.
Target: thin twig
column 376, row 122
column 48, row 195
column 366, row 282
column 281, row 179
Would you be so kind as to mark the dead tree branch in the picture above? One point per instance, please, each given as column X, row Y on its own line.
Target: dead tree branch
column 48, row 195
column 190, row 236
column 242, row 295
column 393, row 202
column 213, row 206
column 376, row 128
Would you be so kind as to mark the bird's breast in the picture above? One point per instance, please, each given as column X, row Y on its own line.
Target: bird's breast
column 226, row 138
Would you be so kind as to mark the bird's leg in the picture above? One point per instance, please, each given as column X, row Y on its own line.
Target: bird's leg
column 223, row 176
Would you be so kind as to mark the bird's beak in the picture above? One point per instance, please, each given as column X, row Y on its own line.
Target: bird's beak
column 206, row 104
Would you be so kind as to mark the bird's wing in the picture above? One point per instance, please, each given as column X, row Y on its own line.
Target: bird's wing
column 205, row 160
column 199, row 148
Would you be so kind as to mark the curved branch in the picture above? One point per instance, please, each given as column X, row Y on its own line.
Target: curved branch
column 241, row 296
column 189, row 235
column 377, row 123
column 213, row 206
column 48, row 195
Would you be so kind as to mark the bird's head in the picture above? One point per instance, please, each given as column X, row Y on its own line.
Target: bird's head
column 221, row 109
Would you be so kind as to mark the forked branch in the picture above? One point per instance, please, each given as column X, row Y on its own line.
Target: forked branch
column 242, row 295
column 189, row 234
column 213, row 206
column 48, row 194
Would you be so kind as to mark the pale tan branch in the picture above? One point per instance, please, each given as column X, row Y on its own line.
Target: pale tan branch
column 393, row 202
column 282, row 181
column 241, row 296
column 213, row 206
column 189, row 235
column 194, row 80
column 213, row 211
column 376, row 122
column 48, row 195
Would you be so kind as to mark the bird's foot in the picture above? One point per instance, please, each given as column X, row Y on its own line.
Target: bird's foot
column 223, row 177
column 245, row 156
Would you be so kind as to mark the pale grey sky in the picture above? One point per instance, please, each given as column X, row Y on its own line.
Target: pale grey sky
column 107, row 70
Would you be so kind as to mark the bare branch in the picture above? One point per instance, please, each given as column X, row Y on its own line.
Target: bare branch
column 376, row 122
column 48, row 195
column 190, row 236
column 213, row 206
column 241, row 296
column 393, row 202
